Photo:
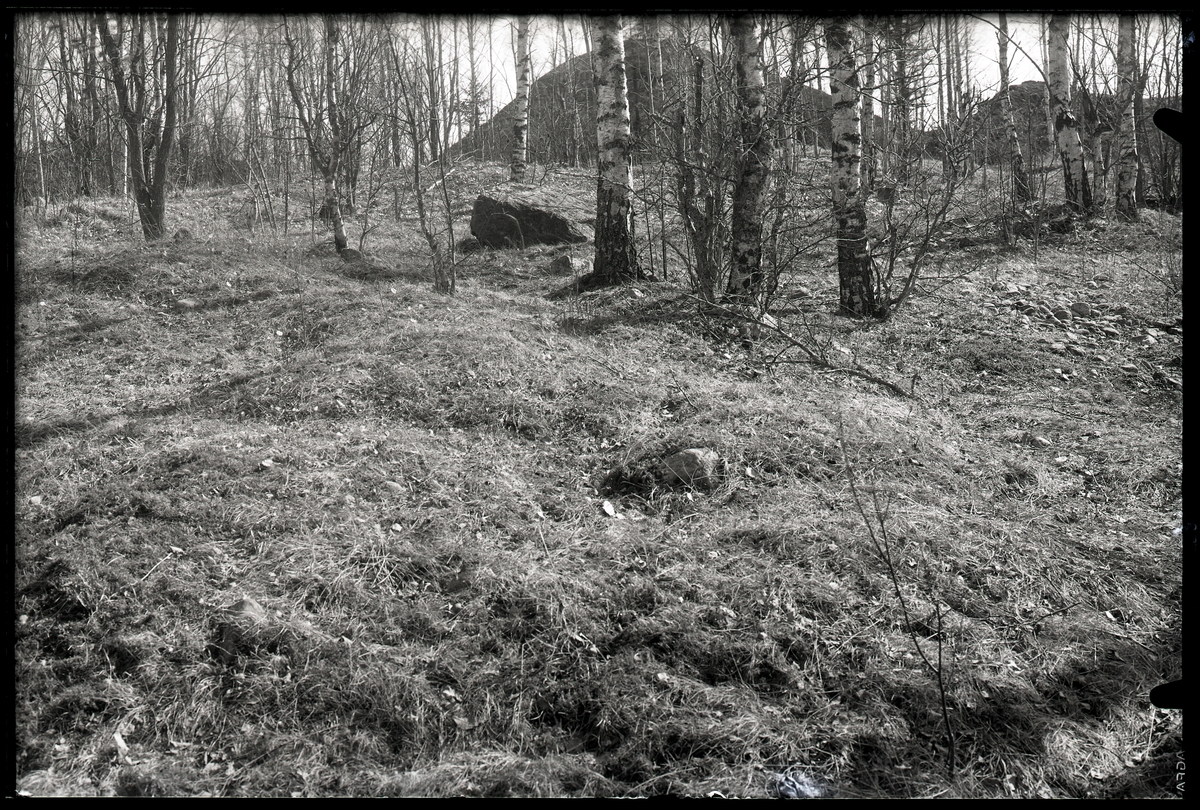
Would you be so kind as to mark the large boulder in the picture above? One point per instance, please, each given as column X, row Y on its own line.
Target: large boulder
column 512, row 221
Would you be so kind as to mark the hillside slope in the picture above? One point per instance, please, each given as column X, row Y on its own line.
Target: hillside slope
column 283, row 532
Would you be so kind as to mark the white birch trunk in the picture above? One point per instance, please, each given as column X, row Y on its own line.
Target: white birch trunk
column 520, row 153
column 616, row 258
column 857, row 287
column 1127, row 156
column 1066, row 126
column 868, row 108
column 745, row 279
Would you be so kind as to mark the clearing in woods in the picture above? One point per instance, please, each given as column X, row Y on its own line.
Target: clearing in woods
column 284, row 531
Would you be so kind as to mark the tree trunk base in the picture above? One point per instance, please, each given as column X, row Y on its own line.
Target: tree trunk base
column 594, row 282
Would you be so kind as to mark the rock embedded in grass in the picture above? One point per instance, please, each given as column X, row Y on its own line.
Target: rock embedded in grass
column 698, row 467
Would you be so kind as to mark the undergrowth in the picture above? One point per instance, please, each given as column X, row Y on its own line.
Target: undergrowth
column 327, row 536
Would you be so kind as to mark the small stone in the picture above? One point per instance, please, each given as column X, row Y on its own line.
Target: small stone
column 697, row 467
column 570, row 265
column 241, row 627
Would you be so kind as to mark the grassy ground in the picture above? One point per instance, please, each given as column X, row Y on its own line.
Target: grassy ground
column 312, row 535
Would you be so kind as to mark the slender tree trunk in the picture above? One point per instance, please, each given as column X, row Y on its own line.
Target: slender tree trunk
column 745, row 280
column 431, row 36
column 96, row 111
column 72, row 120
column 698, row 202
column 36, row 131
column 868, row 107
column 1139, row 114
column 333, row 203
column 789, row 102
column 1070, row 147
column 616, row 258
column 1051, row 133
column 145, row 138
column 883, row 153
column 189, row 86
column 1127, row 128
column 902, row 109
column 855, row 276
column 324, row 146
column 166, row 139
column 453, row 111
column 520, row 153
column 1020, row 178
column 943, row 85
column 473, row 95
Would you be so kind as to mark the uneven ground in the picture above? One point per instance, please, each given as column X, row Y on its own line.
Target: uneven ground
column 285, row 532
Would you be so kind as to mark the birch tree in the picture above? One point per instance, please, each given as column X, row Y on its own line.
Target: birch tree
column 700, row 187
column 1047, row 108
column 868, row 107
column 520, row 151
column 1020, row 178
column 1127, row 155
column 143, row 63
column 902, row 107
column 855, row 277
column 616, row 258
column 329, row 109
column 745, row 279
column 1066, row 126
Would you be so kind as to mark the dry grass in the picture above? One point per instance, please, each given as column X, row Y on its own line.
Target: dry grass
column 413, row 487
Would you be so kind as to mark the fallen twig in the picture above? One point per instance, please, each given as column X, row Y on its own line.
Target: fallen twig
column 816, row 359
